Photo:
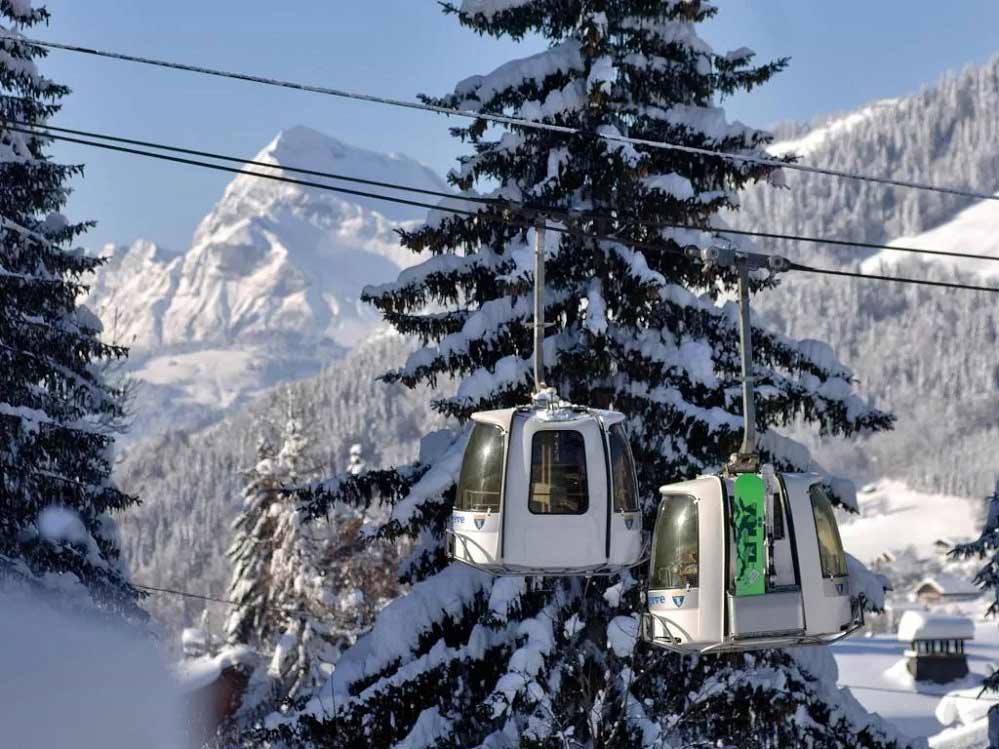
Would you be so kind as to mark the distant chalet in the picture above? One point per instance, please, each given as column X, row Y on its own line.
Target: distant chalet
column 945, row 588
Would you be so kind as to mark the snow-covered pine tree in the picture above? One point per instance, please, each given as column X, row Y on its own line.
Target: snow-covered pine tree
column 303, row 592
column 469, row 660
column 251, row 621
column 57, row 414
column 312, row 635
column 987, row 545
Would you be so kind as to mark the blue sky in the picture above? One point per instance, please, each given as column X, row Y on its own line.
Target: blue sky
column 843, row 54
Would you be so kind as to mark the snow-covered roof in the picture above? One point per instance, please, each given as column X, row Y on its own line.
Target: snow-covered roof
column 921, row 625
column 947, row 584
column 195, row 673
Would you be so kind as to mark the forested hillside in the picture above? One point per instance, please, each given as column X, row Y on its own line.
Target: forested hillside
column 928, row 354
column 191, row 482
column 947, row 134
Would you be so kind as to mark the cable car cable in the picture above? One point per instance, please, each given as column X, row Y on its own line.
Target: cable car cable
column 184, row 594
column 252, row 162
column 480, row 215
column 893, row 279
column 498, row 118
column 501, row 202
column 224, row 601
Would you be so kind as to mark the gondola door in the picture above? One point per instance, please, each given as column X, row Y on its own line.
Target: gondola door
column 824, row 574
column 556, row 509
column 758, row 606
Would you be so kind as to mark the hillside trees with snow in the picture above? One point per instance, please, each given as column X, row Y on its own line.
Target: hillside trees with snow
column 928, row 355
column 251, row 551
column 946, row 134
column 467, row 659
column 58, row 415
column 183, row 528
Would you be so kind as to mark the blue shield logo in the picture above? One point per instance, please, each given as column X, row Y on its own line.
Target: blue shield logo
column 678, row 601
column 479, row 522
column 629, row 523
column 841, row 588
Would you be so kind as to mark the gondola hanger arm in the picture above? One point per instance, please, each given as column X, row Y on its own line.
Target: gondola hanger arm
column 747, row 459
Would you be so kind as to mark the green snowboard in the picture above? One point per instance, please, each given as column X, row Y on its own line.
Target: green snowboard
column 748, row 509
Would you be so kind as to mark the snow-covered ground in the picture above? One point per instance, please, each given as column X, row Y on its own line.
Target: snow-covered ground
column 972, row 231
column 814, row 139
column 74, row 681
column 894, row 517
column 869, row 667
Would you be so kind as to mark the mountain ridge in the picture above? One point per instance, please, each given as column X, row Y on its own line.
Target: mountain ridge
column 268, row 290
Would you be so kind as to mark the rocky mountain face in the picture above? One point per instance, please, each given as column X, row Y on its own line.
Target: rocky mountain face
column 269, row 289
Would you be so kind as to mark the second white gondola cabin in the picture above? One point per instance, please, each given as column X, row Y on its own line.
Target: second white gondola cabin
column 548, row 489
column 747, row 563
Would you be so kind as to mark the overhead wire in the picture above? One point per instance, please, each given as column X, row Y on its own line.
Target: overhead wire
column 896, row 279
column 551, row 211
column 289, row 610
column 655, row 247
column 911, row 693
column 498, row 118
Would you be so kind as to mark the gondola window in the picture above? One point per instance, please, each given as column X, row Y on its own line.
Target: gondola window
column 625, row 491
column 831, row 556
column 558, row 473
column 675, row 558
column 481, row 479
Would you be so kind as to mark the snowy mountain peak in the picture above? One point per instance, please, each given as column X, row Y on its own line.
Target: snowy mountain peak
column 305, row 148
column 270, row 287
column 272, row 260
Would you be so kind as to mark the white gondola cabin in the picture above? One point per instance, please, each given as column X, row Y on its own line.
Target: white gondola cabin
column 747, row 563
column 547, row 489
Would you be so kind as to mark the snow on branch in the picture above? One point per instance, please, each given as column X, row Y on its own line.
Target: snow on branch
column 400, row 626
column 477, row 91
column 870, row 585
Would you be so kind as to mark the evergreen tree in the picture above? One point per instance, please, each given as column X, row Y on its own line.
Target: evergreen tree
column 987, row 545
column 304, row 592
column 57, row 414
column 252, row 621
column 312, row 636
column 466, row 659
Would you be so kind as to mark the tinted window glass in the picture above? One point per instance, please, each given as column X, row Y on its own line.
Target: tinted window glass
column 558, row 473
column 623, row 470
column 831, row 555
column 675, row 556
column 778, row 517
column 481, row 470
